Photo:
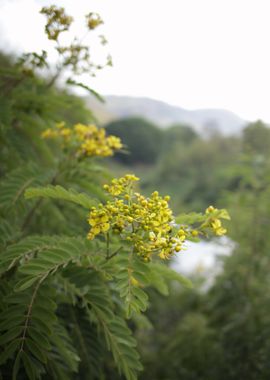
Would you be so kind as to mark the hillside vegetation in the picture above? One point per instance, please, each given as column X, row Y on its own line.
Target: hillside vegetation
column 204, row 121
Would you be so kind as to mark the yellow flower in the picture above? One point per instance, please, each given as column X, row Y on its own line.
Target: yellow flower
column 221, row 231
column 147, row 223
column 87, row 140
column 48, row 133
column 213, row 222
column 217, row 227
column 65, row 133
column 114, row 142
column 210, row 209
column 132, row 215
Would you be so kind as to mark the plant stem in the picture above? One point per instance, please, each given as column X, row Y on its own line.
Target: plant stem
column 114, row 254
column 31, row 212
column 107, row 245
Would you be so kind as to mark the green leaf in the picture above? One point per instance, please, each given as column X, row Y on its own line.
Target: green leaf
column 222, row 213
column 62, row 343
column 10, row 334
column 140, row 294
column 10, row 322
column 44, row 314
column 24, row 283
column 41, row 325
column 190, row 218
column 158, row 282
column 118, row 339
column 40, row 338
column 36, row 350
column 13, row 186
column 63, row 251
column 58, row 192
column 29, row 368
column 9, row 350
column 171, row 275
column 12, row 312
column 141, row 277
column 132, row 269
column 25, row 248
column 16, row 366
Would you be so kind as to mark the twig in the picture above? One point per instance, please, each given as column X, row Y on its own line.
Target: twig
column 115, row 253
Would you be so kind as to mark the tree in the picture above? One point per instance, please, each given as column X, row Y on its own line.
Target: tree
column 222, row 333
column 256, row 138
column 142, row 138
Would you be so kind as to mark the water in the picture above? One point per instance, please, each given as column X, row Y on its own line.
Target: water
column 202, row 257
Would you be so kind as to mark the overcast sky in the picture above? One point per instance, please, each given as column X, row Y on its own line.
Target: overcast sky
column 190, row 53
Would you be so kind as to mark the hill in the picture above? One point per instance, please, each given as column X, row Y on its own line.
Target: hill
column 164, row 114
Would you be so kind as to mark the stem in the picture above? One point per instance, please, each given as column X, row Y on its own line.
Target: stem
column 29, row 216
column 59, row 68
column 54, row 78
column 31, row 212
column 29, row 313
column 83, row 37
column 107, row 245
column 114, row 254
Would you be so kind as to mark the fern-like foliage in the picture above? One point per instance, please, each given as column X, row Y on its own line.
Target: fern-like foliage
column 58, row 192
column 97, row 290
column 161, row 275
column 13, row 186
column 26, row 323
column 96, row 298
column 31, row 336
column 43, row 257
column 130, row 279
column 8, row 233
column 134, row 276
column 63, row 360
column 24, row 249
column 88, row 344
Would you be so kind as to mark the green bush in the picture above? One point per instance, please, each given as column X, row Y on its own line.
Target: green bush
column 142, row 138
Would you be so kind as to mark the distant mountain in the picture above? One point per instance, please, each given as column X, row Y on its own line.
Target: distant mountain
column 164, row 115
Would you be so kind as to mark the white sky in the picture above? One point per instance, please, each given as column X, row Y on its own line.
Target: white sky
column 191, row 53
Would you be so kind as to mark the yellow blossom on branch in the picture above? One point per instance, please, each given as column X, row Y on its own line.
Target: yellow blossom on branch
column 213, row 221
column 86, row 140
column 147, row 223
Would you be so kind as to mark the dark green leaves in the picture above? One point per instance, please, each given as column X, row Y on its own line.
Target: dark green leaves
column 122, row 345
column 24, row 329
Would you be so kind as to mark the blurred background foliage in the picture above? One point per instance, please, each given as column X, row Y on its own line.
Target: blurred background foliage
column 221, row 331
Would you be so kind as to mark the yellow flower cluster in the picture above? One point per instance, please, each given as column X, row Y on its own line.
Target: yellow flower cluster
column 121, row 185
column 146, row 222
column 213, row 222
column 87, row 140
